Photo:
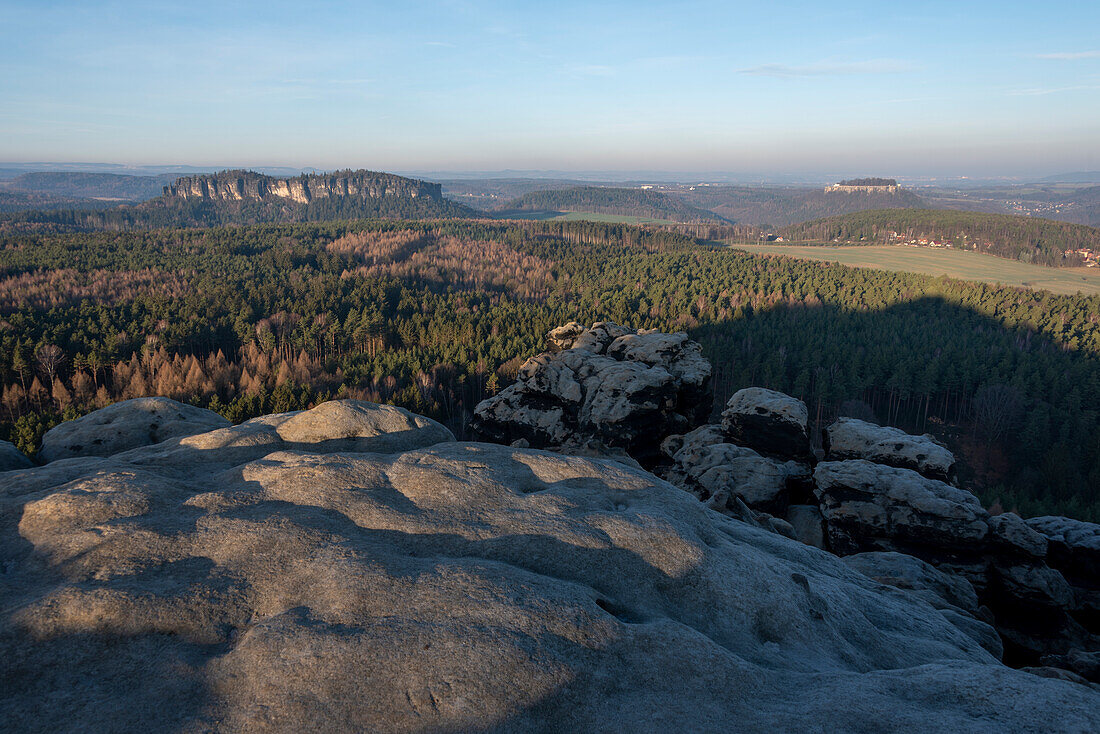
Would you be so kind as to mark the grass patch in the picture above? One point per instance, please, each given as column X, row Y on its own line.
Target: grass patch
column 953, row 263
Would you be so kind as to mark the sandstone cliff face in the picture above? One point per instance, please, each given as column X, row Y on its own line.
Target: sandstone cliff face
column 352, row 568
column 243, row 185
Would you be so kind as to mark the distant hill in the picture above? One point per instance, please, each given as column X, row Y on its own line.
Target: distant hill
column 1075, row 177
column 83, row 185
column 1087, row 206
column 23, row 201
column 1029, row 239
column 609, row 200
column 781, row 206
column 492, row 193
column 246, row 197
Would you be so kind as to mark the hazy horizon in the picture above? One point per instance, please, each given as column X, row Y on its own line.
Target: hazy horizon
column 768, row 178
column 794, row 89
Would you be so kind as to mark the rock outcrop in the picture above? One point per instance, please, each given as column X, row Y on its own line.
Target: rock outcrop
column 1073, row 549
column 1073, row 545
column 769, row 422
column 851, row 438
column 871, row 506
column 882, row 491
column 12, row 458
column 1037, row 611
column 250, row 578
column 756, row 461
column 622, row 388
column 248, row 185
column 719, row 472
column 126, row 425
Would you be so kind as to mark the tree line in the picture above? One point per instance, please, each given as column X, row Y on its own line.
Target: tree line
column 611, row 200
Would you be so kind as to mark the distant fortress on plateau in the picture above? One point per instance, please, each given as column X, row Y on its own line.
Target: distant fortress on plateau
column 865, row 185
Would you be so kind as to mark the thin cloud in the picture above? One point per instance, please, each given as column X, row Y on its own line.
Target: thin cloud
column 321, row 83
column 872, row 66
column 1053, row 90
column 1070, row 55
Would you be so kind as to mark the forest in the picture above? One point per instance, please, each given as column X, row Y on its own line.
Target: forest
column 610, row 200
column 1029, row 239
column 435, row 315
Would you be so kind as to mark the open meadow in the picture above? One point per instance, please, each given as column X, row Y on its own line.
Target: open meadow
column 953, row 263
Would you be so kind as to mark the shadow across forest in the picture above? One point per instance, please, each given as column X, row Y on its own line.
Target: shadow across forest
column 1018, row 408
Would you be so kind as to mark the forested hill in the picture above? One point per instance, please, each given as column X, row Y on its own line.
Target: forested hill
column 781, row 206
column 608, row 200
column 1030, row 239
column 85, row 185
column 245, row 197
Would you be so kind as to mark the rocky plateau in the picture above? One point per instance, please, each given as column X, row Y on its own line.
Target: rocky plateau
column 245, row 185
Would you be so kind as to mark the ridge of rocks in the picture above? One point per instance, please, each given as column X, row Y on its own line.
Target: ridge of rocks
column 878, row 490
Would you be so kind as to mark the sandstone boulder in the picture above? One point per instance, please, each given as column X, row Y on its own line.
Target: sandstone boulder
column 851, row 438
column 769, row 422
column 875, row 507
column 622, row 388
column 1034, row 584
column 126, row 425
column 12, row 458
column 1010, row 534
column 1074, row 546
column 706, row 465
column 356, row 425
column 220, row 582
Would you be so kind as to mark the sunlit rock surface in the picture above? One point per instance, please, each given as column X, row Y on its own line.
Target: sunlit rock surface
column 126, row 425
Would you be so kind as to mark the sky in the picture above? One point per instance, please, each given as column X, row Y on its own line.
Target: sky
column 911, row 89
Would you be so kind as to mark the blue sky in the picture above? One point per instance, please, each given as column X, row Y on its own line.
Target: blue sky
column 928, row 88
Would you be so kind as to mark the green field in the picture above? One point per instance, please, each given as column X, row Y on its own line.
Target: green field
column 585, row 216
column 953, row 263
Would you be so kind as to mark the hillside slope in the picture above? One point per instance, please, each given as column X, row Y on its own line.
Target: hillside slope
column 608, row 200
column 1030, row 239
column 86, row 185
